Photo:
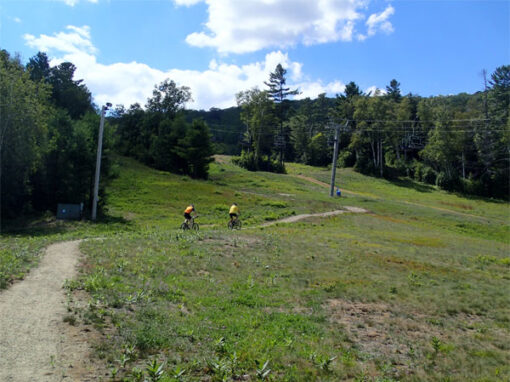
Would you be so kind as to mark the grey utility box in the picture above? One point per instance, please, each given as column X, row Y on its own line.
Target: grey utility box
column 69, row 211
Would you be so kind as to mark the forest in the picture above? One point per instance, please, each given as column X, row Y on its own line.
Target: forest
column 49, row 137
column 458, row 142
column 49, row 129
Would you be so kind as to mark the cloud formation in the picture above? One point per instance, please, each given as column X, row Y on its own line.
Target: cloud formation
column 72, row 3
column 378, row 22
column 132, row 82
column 245, row 26
column 75, row 41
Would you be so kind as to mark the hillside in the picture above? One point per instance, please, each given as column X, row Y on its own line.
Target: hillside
column 416, row 288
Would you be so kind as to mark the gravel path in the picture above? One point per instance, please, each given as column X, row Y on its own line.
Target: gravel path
column 35, row 343
column 295, row 218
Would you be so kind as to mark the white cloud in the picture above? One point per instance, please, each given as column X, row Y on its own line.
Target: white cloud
column 313, row 89
column 374, row 91
column 72, row 3
column 127, row 83
column 75, row 41
column 17, row 20
column 187, row 3
column 380, row 22
column 236, row 26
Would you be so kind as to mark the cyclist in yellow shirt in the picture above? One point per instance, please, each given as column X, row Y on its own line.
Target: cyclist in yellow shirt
column 234, row 211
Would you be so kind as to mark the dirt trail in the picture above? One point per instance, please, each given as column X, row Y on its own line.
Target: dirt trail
column 292, row 219
column 313, row 180
column 35, row 343
column 366, row 195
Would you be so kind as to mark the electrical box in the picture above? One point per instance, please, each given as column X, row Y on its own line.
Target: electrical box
column 69, row 211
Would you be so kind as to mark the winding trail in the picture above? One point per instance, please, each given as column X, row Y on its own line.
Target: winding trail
column 35, row 343
column 295, row 218
column 370, row 196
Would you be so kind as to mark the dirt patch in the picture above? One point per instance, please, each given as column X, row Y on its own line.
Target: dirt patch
column 35, row 342
column 221, row 159
column 457, row 205
column 130, row 216
column 381, row 331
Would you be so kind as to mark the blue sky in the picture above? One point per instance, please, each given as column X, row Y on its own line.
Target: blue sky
column 122, row 48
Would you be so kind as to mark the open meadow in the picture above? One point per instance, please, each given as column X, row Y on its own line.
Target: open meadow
column 415, row 288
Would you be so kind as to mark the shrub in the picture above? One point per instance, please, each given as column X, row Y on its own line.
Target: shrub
column 346, row 158
column 423, row 173
column 449, row 183
column 249, row 161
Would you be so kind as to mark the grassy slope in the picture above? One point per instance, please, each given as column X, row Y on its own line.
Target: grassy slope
column 408, row 291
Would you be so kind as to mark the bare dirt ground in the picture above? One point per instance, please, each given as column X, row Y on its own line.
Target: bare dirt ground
column 35, row 343
column 295, row 218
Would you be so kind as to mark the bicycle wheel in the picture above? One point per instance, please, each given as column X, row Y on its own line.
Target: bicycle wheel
column 184, row 226
column 230, row 224
column 194, row 226
column 238, row 224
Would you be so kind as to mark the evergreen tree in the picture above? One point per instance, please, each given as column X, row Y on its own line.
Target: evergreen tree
column 278, row 93
column 67, row 93
column 393, row 91
column 39, row 67
column 24, row 114
column 199, row 149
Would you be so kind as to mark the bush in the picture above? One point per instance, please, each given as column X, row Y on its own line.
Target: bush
column 423, row 173
column 346, row 158
column 473, row 186
column 449, row 183
column 365, row 166
column 249, row 161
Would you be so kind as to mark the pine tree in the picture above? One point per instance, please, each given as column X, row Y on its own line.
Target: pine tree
column 278, row 93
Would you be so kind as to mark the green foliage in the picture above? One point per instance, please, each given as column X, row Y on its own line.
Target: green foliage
column 161, row 137
column 226, row 127
column 257, row 114
column 48, row 138
column 24, row 115
column 322, row 299
column 68, row 94
column 320, row 153
column 168, row 98
column 198, row 151
column 423, row 173
column 251, row 162
column 155, row 370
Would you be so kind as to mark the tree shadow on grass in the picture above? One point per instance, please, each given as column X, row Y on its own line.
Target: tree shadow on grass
column 38, row 226
column 423, row 187
column 412, row 184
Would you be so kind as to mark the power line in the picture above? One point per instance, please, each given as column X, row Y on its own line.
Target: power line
column 401, row 130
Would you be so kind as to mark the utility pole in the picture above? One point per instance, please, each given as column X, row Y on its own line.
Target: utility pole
column 335, row 157
column 98, row 160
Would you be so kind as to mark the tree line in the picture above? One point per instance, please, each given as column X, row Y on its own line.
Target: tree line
column 48, row 137
column 161, row 136
column 49, row 127
column 49, row 132
column 460, row 143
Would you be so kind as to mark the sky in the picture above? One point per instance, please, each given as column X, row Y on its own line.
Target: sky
column 217, row 48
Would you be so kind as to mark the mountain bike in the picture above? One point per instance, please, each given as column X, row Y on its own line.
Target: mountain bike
column 190, row 224
column 234, row 224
